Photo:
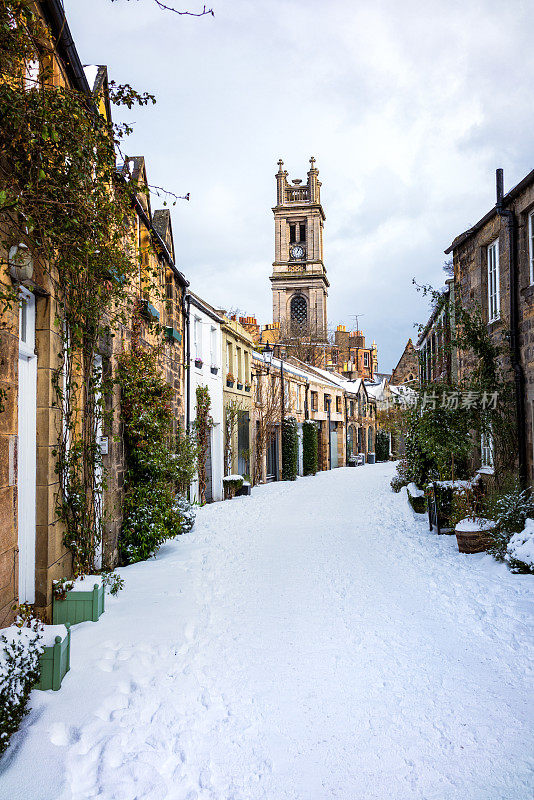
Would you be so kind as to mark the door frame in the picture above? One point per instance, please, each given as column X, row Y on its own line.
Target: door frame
column 27, row 448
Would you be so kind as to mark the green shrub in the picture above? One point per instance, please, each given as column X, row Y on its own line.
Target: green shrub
column 20, row 651
column 382, row 445
column 509, row 509
column 290, row 449
column 309, row 448
column 157, row 462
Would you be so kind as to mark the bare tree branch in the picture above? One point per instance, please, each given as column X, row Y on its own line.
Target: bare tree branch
column 205, row 11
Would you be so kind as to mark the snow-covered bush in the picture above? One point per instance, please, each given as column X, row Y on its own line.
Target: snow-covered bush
column 186, row 511
column 520, row 550
column 402, row 478
column 20, row 650
column 112, row 582
column 60, row 588
column 510, row 511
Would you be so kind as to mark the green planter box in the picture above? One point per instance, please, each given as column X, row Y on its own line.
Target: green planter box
column 79, row 607
column 173, row 335
column 55, row 663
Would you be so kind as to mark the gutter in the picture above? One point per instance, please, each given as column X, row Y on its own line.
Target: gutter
column 55, row 14
column 519, row 376
column 167, row 256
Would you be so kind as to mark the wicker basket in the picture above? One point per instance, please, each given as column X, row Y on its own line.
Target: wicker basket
column 475, row 541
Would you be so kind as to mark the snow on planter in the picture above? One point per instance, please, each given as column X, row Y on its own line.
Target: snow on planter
column 521, row 547
column 416, row 498
column 55, row 659
column 231, row 483
column 473, row 534
column 84, row 602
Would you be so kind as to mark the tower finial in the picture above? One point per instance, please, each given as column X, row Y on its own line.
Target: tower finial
column 280, row 165
column 312, row 162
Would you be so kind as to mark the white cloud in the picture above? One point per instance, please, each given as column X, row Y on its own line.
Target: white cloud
column 408, row 107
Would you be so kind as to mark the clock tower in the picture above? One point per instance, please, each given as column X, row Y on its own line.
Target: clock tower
column 299, row 282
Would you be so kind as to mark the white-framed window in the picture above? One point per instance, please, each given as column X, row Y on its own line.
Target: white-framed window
column 494, row 294
column 486, row 449
column 366, row 359
column 198, row 337
column 531, row 245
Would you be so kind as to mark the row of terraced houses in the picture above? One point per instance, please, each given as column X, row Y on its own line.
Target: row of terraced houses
column 198, row 344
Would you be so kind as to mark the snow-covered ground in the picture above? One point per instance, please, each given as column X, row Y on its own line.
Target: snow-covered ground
column 312, row 641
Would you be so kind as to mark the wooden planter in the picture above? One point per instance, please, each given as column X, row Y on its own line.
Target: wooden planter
column 475, row 541
column 55, row 663
column 244, row 491
column 79, row 607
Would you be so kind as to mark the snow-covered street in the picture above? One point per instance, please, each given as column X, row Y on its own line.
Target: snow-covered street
column 312, row 641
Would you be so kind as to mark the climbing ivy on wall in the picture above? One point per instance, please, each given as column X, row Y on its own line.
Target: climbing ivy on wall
column 64, row 207
column 158, row 464
column 203, row 426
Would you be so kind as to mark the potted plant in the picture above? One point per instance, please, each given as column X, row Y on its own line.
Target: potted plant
column 79, row 600
column 198, row 363
column 473, row 534
column 214, row 370
column 231, row 484
column 230, row 380
column 248, row 386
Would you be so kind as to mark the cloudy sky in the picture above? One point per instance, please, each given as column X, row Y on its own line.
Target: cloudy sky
column 407, row 106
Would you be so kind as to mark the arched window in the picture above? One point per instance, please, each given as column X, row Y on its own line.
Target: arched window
column 299, row 312
column 370, row 440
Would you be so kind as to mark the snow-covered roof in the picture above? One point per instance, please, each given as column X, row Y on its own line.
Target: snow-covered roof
column 291, row 368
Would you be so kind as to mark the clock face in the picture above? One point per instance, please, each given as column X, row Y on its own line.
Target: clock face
column 297, row 251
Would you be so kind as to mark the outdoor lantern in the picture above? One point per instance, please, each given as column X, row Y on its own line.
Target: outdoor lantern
column 268, row 355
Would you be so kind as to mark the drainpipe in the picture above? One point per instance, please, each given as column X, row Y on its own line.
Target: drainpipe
column 346, row 431
column 329, row 455
column 282, row 401
column 187, row 359
column 306, row 406
column 519, row 376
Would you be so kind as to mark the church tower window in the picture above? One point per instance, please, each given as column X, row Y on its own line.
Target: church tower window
column 299, row 312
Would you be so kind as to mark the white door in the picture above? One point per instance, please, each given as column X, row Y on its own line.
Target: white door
column 26, row 455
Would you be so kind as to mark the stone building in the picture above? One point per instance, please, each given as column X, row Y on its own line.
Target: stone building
column 32, row 548
column 308, row 394
column 299, row 282
column 351, row 357
column 237, row 354
column 436, row 345
column 407, row 369
column 31, row 538
column 494, row 272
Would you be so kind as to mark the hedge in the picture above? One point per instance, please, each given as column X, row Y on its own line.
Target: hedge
column 309, row 447
column 290, row 449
